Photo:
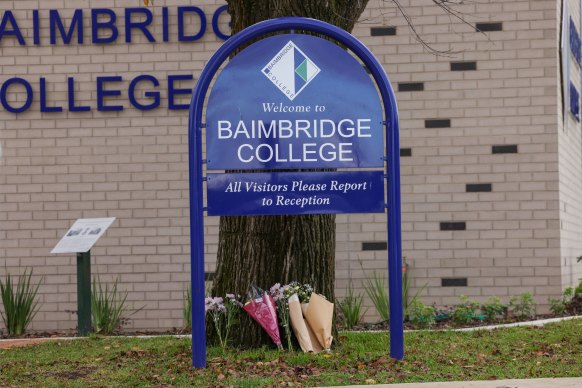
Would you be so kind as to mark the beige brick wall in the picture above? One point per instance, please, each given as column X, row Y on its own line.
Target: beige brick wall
column 511, row 242
column 570, row 163
column 57, row 167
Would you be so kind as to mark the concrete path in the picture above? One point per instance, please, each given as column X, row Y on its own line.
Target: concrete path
column 570, row 382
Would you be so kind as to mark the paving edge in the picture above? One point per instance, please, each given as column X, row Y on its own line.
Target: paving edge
column 540, row 322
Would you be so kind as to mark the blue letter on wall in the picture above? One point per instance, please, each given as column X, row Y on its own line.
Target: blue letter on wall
column 43, row 98
column 215, row 18
column 174, row 91
column 15, row 31
column 574, row 102
column 56, row 22
column 97, row 25
column 129, row 24
column 154, row 95
column 181, row 34
column 72, row 106
column 4, row 91
column 102, row 93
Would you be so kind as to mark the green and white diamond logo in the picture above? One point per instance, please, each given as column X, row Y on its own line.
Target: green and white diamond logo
column 290, row 70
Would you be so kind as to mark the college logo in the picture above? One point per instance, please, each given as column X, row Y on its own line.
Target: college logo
column 291, row 70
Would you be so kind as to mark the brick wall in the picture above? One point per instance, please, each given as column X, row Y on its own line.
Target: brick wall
column 570, row 163
column 480, row 163
column 479, row 141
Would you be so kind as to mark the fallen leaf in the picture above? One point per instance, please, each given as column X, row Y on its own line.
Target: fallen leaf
column 370, row 381
column 221, row 377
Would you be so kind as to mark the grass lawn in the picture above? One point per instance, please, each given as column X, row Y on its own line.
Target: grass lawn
column 362, row 358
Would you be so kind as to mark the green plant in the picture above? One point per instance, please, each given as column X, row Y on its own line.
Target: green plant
column 378, row 293
column 523, row 305
column 351, row 308
column 20, row 304
column 558, row 306
column 406, row 299
column 493, row 308
column 187, row 311
column 465, row 311
column 578, row 289
column 421, row 315
column 107, row 307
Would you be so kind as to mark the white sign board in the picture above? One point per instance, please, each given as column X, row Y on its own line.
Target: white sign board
column 83, row 235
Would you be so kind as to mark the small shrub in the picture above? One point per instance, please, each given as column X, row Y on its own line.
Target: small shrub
column 20, row 304
column 494, row 308
column 378, row 293
column 465, row 311
column 187, row 312
column 558, row 306
column 578, row 289
column 407, row 300
column 351, row 308
column 421, row 315
column 107, row 307
column 523, row 305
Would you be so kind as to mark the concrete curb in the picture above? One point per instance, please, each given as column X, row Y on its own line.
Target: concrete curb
column 566, row 382
column 539, row 322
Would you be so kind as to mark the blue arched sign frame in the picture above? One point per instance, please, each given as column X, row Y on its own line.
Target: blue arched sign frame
column 392, row 159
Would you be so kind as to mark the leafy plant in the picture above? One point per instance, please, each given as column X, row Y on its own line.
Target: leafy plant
column 20, row 304
column 578, row 289
column 187, row 311
column 351, row 308
column 558, row 306
column 420, row 314
column 465, row 311
column 406, row 299
column 493, row 308
column 107, row 307
column 523, row 305
column 378, row 293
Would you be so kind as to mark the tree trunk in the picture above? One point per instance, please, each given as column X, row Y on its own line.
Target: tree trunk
column 265, row 250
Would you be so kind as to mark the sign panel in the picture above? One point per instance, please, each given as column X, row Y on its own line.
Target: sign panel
column 293, row 101
column 296, row 193
column 83, row 235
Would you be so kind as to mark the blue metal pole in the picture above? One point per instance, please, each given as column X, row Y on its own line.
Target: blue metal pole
column 195, row 164
column 394, row 239
column 197, row 240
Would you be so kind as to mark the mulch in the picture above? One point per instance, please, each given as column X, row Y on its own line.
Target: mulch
column 12, row 343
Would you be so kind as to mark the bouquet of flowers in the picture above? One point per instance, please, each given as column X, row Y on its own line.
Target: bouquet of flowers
column 277, row 292
column 223, row 315
column 261, row 307
column 311, row 317
column 303, row 291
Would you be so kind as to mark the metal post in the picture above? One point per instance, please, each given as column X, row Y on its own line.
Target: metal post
column 393, row 172
column 84, row 293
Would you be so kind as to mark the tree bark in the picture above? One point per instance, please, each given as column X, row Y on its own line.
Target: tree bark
column 265, row 250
